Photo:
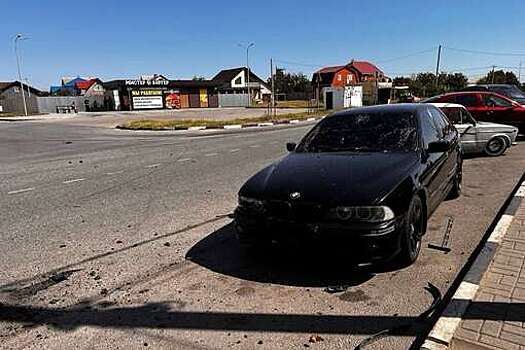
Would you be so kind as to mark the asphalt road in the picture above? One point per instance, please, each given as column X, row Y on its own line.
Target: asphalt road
column 118, row 240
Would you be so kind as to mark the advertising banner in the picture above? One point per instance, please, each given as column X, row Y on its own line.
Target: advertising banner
column 173, row 100
column 147, row 99
column 203, row 97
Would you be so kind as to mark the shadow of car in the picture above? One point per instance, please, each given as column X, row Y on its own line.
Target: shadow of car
column 221, row 252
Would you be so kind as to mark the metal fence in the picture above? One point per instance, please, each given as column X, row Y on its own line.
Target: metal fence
column 233, row 100
column 49, row 104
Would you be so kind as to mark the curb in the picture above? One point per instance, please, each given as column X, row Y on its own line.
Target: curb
column 440, row 336
column 234, row 126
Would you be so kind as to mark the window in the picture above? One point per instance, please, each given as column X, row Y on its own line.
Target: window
column 339, row 77
column 495, row 101
column 440, row 124
column 363, row 132
column 453, row 114
column 429, row 132
column 467, row 100
column 238, row 81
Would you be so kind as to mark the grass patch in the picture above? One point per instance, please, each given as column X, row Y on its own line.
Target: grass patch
column 152, row 124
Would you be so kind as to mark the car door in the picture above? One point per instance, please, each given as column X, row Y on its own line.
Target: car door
column 498, row 109
column 465, row 125
column 432, row 173
column 448, row 160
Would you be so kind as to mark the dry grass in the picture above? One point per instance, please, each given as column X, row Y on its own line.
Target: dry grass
column 151, row 124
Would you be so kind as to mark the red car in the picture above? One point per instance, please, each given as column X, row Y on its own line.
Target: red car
column 487, row 106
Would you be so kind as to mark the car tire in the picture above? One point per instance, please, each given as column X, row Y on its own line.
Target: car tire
column 496, row 146
column 412, row 233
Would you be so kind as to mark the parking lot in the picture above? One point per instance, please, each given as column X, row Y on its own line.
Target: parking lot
column 107, row 246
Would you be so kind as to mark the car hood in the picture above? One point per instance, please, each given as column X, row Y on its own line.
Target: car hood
column 494, row 126
column 332, row 178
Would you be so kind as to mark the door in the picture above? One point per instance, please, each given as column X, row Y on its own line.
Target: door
column 329, row 100
column 497, row 109
column 447, row 161
column 466, row 127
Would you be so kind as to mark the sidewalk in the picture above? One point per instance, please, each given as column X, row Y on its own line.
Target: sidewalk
column 488, row 309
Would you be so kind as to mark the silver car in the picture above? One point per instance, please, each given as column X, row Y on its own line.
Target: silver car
column 476, row 137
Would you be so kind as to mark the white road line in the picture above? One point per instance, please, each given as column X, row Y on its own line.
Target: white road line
column 153, row 165
column 211, row 154
column 235, row 150
column 183, row 159
column 115, row 172
column 21, row 190
column 254, row 146
column 520, row 192
column 73, row 180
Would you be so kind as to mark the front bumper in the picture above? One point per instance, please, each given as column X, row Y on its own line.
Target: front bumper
column 363, row 242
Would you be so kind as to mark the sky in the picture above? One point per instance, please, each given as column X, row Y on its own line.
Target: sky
column 113, row 39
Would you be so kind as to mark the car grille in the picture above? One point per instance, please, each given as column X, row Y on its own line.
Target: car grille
column 306, row 212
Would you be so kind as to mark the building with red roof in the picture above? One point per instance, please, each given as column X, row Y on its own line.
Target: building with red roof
column 352, row 73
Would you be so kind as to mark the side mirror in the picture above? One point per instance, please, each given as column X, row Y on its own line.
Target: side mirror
column 290, row 146
column 438, row 146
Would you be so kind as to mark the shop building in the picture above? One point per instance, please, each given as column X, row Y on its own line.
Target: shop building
column 144, row 94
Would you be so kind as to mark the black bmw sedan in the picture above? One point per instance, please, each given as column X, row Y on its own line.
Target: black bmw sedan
column 364, row 180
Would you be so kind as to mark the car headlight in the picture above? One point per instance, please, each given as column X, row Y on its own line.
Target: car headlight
column 363, row 214
column 251, row 203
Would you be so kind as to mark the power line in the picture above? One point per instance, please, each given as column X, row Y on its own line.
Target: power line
column 484, row 52
column 432, row 49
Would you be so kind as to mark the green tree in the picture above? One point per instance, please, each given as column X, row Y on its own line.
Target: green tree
column 198, row 78
column 500, row 77
column 289, row 82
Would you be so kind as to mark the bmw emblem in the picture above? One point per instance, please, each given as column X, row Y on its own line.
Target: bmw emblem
column 295, row 195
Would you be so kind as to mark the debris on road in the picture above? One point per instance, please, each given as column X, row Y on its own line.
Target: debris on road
column 315, row 338
column 336, row 289
column 446, row 236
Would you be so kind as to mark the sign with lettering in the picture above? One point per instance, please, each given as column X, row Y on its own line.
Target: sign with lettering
column 138, row 82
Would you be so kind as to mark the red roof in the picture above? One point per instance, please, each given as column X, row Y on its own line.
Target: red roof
column 84, row 85
column 331, row 69
column 365, row 67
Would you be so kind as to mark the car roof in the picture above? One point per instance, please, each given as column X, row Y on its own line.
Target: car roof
column 396, row 108
column 446, row 105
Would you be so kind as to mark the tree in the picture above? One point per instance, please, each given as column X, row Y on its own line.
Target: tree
column 499, row 77
column 453, row 82
column 425, row 85
column 286, row 83
column 198, row 78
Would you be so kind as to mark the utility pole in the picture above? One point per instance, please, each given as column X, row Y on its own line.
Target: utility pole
column 17, row 38
column 519, row 74
column 272, row 76
column 248, row 75
column 437, row 65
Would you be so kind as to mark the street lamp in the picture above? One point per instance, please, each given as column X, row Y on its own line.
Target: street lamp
column 248, row 68
column 17, row 38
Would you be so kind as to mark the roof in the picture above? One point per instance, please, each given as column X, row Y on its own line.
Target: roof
column 226, row 75
column 446, row 105
column 84, row 85
column 398, row 107
column 365, row 67
column 73, row 82
column 330, row 69
column 4, row 85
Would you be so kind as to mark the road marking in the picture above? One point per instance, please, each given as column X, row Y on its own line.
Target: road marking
column 73, row 180
column 115, row 172
column 521, row 191
column 153, row 165
column 254, row 146
column 235, row 150
column 183, row 159
column 211, row 154
column 21, row 190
